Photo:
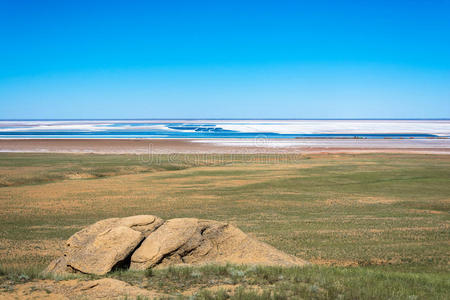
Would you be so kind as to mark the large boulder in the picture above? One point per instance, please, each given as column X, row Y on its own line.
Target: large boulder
column 194, row 241
column 143, row 242
column 99, row 247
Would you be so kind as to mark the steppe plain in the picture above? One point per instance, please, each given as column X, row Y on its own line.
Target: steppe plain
column 373, row 225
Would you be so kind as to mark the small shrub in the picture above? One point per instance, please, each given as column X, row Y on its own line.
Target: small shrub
column 23, row 277
column 149, row 272
column 196, row 274
column 2, row 271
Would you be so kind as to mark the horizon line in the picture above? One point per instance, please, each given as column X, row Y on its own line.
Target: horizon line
column 227, row 119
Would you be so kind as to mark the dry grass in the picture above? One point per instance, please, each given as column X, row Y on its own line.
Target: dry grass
column 378, row 211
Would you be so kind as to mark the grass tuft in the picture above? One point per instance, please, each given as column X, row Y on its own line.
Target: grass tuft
column 311, row 282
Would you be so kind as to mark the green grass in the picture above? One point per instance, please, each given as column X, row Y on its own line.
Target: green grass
column 259, row 282
column 376, row 225
column 45, row 168
column 307, row 283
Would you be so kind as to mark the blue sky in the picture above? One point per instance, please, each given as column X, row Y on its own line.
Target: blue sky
column 233, row 59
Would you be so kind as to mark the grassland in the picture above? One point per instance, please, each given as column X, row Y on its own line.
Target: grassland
column 375, row 226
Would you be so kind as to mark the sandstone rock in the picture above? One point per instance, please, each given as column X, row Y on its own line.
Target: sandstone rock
column 194, row 241
column 142, row 223
column 59, row 266
column 105, row 250
column 99, row 247
column 146, row 242
column 106, row 288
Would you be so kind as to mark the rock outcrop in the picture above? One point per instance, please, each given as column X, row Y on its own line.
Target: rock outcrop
column 99, row 247
column 105, row 288
column 143, row 242
column 194, row 241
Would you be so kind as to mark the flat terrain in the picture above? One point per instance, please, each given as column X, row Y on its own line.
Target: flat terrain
column 260, row 145
column 374, row 225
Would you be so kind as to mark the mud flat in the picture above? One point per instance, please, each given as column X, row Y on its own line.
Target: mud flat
column 247, row 146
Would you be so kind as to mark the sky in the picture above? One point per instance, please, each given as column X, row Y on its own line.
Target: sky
column 224, row 59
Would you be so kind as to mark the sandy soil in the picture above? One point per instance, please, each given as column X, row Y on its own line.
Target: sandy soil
column 241, row 146
column 105, row 288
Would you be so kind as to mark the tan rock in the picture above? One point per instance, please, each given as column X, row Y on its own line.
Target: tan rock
column 106, row 288
column 175, row 236
column 142, row 223
column 59, row 266
column 105, row 244
column 99, row 247
column 194, row 241
column 105, row 250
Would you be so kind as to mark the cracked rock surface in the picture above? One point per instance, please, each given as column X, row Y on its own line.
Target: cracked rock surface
column 147, row 241
column 99, row 247
column 195, row 241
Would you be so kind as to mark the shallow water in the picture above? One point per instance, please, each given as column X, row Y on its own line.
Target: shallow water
column 367, row 129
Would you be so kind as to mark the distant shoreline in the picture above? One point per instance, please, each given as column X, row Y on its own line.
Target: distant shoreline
column 227, row 129
column 237, row 119
column 225, row 146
